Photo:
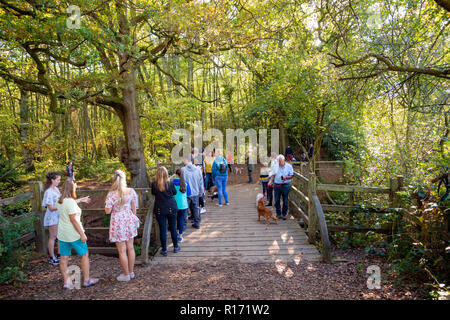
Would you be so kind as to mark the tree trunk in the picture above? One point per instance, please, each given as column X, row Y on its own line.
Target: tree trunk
column 132, row 154
column 24, row 124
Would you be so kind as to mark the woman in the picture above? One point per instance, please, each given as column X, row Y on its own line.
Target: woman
column 165, row 208
column 208, row 170
column 183, row 191
column 71, row 233
column 220, row 177
column 51, row 218
column 121, row 202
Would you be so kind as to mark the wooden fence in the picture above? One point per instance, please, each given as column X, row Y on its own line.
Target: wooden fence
column 305, row 204
column 36, row 211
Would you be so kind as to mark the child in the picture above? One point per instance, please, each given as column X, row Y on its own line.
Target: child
column 264, row 178
column 183, row 191
column 51, row 218
column 121, row 202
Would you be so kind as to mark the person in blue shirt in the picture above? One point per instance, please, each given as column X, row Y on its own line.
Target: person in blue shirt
column 220, row 176
column 281, row 180
column 183, row 192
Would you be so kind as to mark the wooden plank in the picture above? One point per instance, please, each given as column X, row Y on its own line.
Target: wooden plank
column 26, row 237
column 300, row 194
column 301, row 177
column 326, row 246
column 341, row 228
column 36, row 204
column 101, row 212
column 145, row 243
column 337, row 208
column 12, row 200
column 286, row 248
column 230, row 242
column 103, row 250
column 17, row 219
column 301, row 212
column 347, row 188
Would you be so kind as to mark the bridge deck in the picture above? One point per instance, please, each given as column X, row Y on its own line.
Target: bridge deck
column 233, row 233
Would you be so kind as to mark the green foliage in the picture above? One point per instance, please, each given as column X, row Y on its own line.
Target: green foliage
column 13, row 257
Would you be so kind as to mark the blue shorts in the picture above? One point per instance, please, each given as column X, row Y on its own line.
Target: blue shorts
column 66, row 248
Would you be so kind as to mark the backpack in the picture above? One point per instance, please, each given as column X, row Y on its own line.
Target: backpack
column 223, row 167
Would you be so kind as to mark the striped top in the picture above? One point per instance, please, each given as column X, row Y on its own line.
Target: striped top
column 264, row 174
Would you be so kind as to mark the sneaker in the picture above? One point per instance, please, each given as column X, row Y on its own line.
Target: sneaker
column 132, row 275
column 278, row 216
column 203, row 210
column 219, row 205
column 53, row 261
column 123, row 278
column 176, row 249
column 164, row 252
column 227, row 203
column 180, row 239
column 284, row 217
column 195, row 226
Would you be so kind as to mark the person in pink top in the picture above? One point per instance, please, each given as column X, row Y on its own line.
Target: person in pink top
column 122, row 202
column 230, row 160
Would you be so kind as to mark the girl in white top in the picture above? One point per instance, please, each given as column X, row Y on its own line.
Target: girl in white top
column 51, row 196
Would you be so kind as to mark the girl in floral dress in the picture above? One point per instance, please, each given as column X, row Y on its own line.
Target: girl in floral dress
column 121, row 203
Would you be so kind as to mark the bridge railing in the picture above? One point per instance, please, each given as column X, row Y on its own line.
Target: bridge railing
column 305, row 204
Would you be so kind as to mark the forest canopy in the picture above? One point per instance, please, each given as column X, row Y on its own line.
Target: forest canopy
column 368, row 81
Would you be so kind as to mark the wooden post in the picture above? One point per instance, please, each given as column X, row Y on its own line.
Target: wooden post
column 351, row 216
column 312, row 225
column 157, row 240
column 147, row 233
column 36, row 204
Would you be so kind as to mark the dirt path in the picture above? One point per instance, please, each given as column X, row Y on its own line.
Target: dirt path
column 209, row 281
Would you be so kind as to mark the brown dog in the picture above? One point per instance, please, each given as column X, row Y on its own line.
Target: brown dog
column 212, row 193
column 265, row 212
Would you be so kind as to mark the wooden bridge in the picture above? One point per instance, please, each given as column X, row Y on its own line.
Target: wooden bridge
column 233, row 233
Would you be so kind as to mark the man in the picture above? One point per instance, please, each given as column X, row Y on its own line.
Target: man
column 198, row 159
column 281, row 184
column 273, row 169
column 250, row 167
column 193, row 176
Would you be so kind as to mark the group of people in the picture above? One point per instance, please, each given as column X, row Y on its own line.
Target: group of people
column 174, row 197
column 289, row 154
column 185, row 192
column 275, row 179
column 62, row 217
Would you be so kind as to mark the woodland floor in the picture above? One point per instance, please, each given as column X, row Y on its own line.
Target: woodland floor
column 210, row 281
column 345, row 280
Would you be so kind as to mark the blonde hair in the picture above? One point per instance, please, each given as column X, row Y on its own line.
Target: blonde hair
column 119, row 186
column 162, row 178
column 68, row 190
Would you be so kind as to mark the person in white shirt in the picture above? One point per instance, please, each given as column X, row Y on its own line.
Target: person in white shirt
column 281, row 185
column 273, row 169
